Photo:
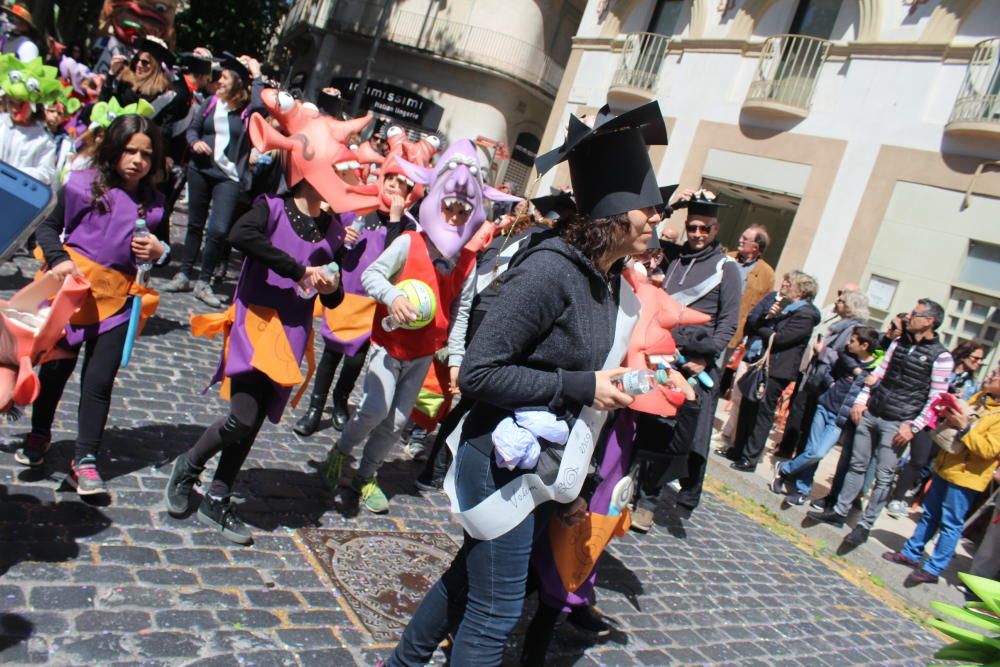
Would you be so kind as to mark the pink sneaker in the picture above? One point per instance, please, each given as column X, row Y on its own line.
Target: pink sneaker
column 86, row 478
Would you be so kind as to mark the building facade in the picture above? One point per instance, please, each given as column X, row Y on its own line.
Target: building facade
column 863, row 133
column 461, row 68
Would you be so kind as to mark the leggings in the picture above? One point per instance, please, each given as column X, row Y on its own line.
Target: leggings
column 922, row 451
column 102, row 355
column 234, row 434
column 349, row 373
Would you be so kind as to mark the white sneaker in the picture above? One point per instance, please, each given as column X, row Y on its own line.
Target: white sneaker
column 897, row 509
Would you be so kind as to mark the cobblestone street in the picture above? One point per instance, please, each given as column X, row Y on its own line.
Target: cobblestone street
column 126, row 583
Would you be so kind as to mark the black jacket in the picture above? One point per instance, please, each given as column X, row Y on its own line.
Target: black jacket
column 202, row 128
column 906, row 384
column 548, row 330
column 171, row 106
column 791, row 335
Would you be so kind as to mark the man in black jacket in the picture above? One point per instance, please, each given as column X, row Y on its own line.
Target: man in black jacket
column 915, row 370
column 699, row 275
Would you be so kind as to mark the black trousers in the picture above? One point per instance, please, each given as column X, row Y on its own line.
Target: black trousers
column 234, row 434
column 223, row 196
column 800, row 418
column 102, row 355
column 327, row 368
column 922, row 451
column 754, row 422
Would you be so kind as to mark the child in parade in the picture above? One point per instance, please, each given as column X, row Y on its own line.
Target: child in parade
column 97, row 211
column 24, row 141
column 289, row 243
column 347, row 329
column 450, row 215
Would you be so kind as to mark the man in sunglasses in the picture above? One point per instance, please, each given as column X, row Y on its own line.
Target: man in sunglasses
column 699, row 275
column 894, row 405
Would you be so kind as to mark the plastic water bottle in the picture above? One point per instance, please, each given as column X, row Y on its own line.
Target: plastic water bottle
column 142, row 269
column 389, row 323
column 640, row 381
column 357, row 226
column 704, row 378
column 330, row 270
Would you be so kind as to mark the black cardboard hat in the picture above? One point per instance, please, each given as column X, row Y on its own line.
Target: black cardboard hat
column 193, row 64
column 157, row 48
column 609, row 163
column 550, row 206
column 230, row 62
column 666, row 192
column 700, row 204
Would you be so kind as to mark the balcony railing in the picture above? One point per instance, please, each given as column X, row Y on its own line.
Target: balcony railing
column 454, row 40
column 977, row 108
column 786, row 74
column 641, row 60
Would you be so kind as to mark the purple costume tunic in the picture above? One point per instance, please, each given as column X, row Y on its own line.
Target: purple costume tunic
column 615, row 462
column 105, row 238
column 354, row 261
column 260, row 286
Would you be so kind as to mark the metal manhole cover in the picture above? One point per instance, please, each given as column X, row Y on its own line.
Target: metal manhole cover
column 383, row 575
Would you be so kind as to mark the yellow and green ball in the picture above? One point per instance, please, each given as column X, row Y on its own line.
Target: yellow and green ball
column 422, row 297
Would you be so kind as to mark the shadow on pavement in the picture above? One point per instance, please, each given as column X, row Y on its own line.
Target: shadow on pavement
column 46, row 532
column 14, row 629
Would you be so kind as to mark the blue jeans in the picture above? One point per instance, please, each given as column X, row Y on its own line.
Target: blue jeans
column 823, row 435
column 945, row 508
column 481, row 595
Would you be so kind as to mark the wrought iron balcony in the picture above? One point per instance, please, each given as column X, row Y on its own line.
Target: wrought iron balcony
column 453, row 40
column 977, row 108
column 786, row 74
column 639, row 68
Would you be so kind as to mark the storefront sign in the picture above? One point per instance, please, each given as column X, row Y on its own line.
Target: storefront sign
column 392, row 101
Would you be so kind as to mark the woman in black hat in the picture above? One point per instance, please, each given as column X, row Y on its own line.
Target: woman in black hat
column 219, row 170
column 147, row 76
column 544, row 360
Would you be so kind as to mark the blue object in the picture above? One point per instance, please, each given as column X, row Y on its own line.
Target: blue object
column 704, row 378
column 133, row 329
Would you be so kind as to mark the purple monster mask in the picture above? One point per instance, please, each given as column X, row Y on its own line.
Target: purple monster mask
column 457, row 178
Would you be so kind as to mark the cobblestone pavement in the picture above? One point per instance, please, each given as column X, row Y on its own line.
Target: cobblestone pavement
column 125, row 583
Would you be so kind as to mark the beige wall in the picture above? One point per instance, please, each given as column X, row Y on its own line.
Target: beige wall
column 823, row 156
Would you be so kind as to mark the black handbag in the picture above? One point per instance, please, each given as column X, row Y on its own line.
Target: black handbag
column 753, row 383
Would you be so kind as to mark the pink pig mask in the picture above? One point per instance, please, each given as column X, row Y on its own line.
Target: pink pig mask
column 457, row 179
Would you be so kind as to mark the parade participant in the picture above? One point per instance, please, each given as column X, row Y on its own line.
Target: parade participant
column 18, row 37
column 123, row 22
column 97, row 211
column 55, row 124
column 24, row 141
column 147, row 76
column 102, row 115
column 546, row 355
column 289, row 243
column 219, row 169
column 450, row 215
column 491, row 266
column 699, row 275
column 347, row 329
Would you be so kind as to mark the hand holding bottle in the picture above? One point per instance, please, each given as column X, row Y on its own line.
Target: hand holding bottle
column 403, row 311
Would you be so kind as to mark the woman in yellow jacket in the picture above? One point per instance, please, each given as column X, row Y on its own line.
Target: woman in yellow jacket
column 958, row 479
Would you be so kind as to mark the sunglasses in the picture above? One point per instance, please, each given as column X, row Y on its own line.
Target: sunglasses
column 978, row 360
column 143, row 61
column 701, row 229
column 917, row 313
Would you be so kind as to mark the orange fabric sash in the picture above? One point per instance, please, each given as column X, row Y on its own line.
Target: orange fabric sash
column 272, row 353
column 575, row 550
column 352, row 318
column 109, row 292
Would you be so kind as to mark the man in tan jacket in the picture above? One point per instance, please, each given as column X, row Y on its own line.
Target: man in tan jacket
column 758, row 276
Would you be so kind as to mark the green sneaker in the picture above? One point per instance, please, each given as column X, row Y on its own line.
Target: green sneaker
column 333, row 469
column 373, row 497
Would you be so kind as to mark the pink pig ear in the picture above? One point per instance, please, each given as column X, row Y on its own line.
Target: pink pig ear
column 416, row 173
column 493, row 194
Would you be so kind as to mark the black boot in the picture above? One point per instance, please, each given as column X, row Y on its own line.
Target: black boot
column 539, row 636
column 183, row 477
column 220, row 514
column 309, row 422
column 340, row 413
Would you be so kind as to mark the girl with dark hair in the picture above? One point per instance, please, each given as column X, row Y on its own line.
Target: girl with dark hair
column 218, row 172
column 97, row 211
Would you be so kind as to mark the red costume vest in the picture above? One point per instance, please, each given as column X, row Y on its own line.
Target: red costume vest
column 409, row 344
